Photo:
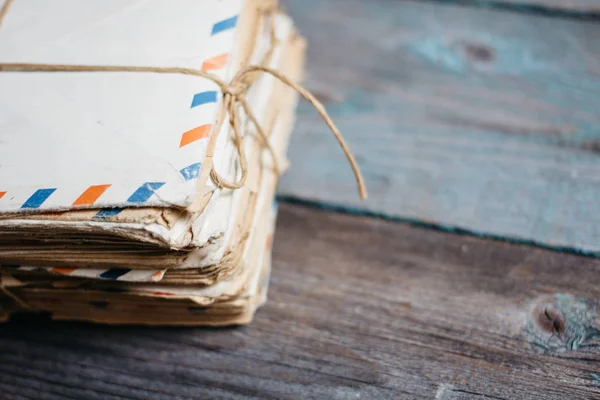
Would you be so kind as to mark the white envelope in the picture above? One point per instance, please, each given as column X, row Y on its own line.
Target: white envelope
column 110, row 139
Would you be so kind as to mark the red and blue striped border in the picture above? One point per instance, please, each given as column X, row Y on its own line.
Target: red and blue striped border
column 141, row 195
column 110, row 274
column 145, row 191
column 224, row 25
column 90, row 195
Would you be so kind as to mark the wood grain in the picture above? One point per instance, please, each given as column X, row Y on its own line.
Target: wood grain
column 582, row 6
column 469, row 117
column 359, row 308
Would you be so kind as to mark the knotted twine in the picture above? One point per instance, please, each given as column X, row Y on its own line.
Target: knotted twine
column 234, row 95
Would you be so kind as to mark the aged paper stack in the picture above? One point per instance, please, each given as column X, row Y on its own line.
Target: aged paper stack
column 131, row 189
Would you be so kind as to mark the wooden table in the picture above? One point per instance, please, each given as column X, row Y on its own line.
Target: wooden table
column 462, row 278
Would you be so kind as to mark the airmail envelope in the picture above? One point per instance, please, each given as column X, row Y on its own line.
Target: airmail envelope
column 110, row 139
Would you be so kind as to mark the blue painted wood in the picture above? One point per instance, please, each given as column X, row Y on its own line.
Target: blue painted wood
column 482, row 119
column 579, row 6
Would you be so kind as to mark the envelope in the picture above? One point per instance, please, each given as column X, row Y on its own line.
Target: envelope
column 111, row 206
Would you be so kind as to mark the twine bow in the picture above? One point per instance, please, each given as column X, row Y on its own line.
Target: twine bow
column 234, row 94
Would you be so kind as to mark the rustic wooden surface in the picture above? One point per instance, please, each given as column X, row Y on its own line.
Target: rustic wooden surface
column 482, row 118
column 463, row 116
column 579, row 6
column 358, row 308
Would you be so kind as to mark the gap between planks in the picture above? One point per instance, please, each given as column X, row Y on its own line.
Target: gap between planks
column 350, row 210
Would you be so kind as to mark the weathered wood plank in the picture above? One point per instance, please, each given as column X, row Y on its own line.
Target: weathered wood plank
column 583, row 6
column 479, row 118
column 358, row 308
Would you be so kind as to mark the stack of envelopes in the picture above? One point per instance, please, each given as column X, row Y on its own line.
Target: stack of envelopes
column 108, row 209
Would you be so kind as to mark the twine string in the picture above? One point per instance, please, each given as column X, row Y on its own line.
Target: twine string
column 233, row 94
column 233, row 97
column 4, row 10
